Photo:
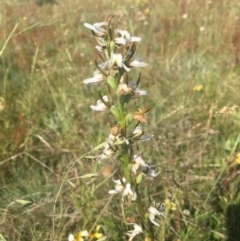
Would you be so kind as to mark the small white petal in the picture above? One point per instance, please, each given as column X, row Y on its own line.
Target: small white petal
column 125, row 37
column 134, row 197
column 151, row 173
column 135, row 39
column 146, row 137
column 138, row 130
column 70, row 237
column 153, row 210
column 126, row 68
column 153, row 221
column 136, row 63
column 138, row 93
column 120, row 41
column 120, row 181
column 113, row 192
column 100, row 106
column 97, row 78
column 99, row 48
column 84, row 233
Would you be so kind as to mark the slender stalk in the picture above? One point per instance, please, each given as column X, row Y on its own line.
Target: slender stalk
column 141, row 211
column 125, row 159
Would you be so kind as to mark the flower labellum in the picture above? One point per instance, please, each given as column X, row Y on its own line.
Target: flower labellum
column 98, row 78
column 100, row 105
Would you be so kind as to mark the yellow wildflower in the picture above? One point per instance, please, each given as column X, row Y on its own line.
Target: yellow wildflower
column 169, row 205
column 198, row 87
column 238, row 158
column 96, row 234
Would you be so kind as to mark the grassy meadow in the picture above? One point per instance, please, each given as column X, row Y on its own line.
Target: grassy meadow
column 46, row 125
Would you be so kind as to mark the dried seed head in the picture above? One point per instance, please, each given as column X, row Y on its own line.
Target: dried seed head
column 140, row 115
column 115, row 130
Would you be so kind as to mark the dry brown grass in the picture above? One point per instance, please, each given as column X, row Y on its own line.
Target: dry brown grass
column 46, row 124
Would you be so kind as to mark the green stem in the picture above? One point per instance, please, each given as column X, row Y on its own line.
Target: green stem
column 139, row 204
column 125, row 148
column 122, row 119
column 125, row 159
column 127, row 173
column 150, row 231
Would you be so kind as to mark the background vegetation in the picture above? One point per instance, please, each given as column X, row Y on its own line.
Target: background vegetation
column 193, row 81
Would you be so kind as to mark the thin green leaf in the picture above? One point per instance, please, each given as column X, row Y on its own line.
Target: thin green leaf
column 72, row 184
column 114, row 110
column 139, row 178
column 25, row 202
column 89, row 175
column 102, row 238
column 112, row 82
column 99, row 146
column 3, row 239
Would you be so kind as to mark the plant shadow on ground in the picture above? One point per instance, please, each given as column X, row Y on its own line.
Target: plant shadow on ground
column 232, row 222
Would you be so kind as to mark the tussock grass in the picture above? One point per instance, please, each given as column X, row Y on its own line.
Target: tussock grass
column 46, row 124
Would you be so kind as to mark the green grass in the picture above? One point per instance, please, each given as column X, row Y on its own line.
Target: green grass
column 46, row 123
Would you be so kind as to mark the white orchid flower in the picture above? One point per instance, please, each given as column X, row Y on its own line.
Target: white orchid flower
column 98, row 78
column 138, row 164
column 125, row 37
column 153, row 212
column 123, row 88
column 115, row 60
column 119, row 187
column 97, row 28
column 129, row 192
column 139, row 134
column 100, row 106
column 132, row 233
column 107, row 152
column 124, row 187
